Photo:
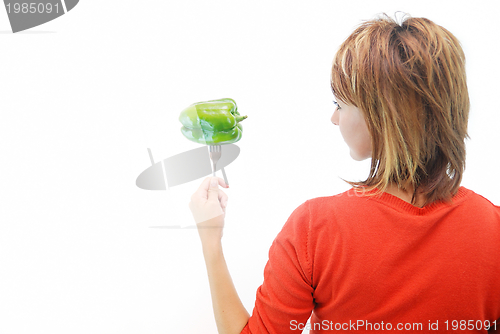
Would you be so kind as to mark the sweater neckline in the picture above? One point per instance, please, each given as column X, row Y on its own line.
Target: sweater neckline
column 402, row 205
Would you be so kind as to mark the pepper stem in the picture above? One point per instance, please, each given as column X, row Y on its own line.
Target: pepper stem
column 240, row 118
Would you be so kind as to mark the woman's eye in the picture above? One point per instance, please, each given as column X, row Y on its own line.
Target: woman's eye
column 337, row 105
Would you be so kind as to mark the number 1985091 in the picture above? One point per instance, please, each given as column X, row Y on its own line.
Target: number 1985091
column 32, row 8
column 471, row 325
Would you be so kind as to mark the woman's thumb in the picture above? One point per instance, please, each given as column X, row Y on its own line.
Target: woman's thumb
column 214, row 183
column 214, row 187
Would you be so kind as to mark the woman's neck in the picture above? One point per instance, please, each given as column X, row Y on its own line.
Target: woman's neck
column 406, row 195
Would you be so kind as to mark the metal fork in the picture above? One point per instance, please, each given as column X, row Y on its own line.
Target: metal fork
column 215, row 154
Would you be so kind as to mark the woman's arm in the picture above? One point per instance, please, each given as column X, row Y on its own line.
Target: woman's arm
column 286, row 294
column 208, row 206
column 230, row 314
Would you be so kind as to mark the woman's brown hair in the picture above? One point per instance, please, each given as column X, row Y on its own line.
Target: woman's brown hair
column 409, row 81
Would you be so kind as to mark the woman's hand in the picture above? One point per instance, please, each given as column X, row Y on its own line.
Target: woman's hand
column 208, row 206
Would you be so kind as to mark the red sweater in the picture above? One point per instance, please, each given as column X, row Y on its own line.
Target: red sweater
column 379, row 263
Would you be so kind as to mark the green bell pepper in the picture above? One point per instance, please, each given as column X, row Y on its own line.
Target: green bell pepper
column 213, row 122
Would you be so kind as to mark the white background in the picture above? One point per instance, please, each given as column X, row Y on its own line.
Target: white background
column 83, row 97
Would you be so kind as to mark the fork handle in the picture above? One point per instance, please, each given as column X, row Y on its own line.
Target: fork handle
column 224, row 175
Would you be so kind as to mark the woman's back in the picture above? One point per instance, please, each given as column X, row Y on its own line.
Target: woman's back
column 382, row 259
column 379, row 263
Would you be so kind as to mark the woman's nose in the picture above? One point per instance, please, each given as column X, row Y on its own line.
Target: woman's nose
column 335, row 118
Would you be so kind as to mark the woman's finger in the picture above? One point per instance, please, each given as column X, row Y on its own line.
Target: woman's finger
column 222, row 197
column 222, row 183
column 205, row 184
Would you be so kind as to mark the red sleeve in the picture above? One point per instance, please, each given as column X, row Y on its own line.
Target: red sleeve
column 285, row 299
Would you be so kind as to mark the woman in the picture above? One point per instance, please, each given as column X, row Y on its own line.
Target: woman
column 406, row 249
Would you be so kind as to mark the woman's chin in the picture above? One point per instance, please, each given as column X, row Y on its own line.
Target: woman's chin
column 354, row 155
column 358, row 157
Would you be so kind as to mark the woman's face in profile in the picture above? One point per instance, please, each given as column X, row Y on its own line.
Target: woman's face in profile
column 354, row 130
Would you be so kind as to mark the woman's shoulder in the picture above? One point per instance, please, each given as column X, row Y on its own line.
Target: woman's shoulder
column 348, row 198
column 481, row 199
column 354, row 201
